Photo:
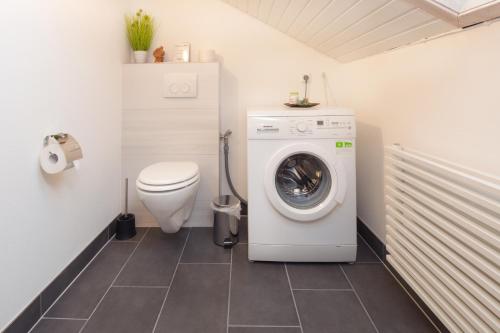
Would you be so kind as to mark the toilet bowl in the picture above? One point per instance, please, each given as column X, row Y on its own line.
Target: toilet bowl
column 168, row 191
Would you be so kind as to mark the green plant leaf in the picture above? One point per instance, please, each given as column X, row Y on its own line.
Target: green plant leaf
column 140, row 30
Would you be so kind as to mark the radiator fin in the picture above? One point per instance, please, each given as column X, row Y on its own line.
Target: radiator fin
column 443, row 237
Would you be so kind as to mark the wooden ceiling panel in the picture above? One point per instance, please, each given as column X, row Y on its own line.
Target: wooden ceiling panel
column 328, row 15
column 292, row 12
column 356, row 13
column 308, row 14
column 347, row 30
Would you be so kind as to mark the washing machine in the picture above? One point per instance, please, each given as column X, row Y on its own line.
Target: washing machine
column 301, row 185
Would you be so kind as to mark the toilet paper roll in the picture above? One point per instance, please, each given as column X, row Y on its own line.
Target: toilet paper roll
column 58, row 155
column 52, row 159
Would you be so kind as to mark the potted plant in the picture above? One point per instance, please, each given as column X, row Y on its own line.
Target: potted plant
column 140, row 31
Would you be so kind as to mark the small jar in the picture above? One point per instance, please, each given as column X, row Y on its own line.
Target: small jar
column 293, row 98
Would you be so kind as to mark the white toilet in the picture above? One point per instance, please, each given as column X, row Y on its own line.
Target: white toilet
column 168, row 190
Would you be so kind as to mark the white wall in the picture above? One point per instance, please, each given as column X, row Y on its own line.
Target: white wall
column 61, row 71
column 440, row 97
column 259, row 65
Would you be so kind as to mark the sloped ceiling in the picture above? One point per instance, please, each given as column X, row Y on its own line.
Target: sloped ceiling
column 347, row 30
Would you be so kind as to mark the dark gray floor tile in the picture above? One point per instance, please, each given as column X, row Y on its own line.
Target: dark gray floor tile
column 316, row 276
column 154, row 261
column 63, row 280
column 140, row 231
column 83, row 295
column 260, row 293
column 264, row 329
column 365, row 253
column 58, row 326
column 26, row 319
column 423, row 306
column 127, row 310
column 197, row 301
column 243, row 230
column 387, row 303
column 331, row 311
column 201, row 248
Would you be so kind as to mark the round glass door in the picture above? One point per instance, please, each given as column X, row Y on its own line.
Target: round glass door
column 303, row 181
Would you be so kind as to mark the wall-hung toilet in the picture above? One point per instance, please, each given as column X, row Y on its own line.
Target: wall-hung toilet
column 168, row 190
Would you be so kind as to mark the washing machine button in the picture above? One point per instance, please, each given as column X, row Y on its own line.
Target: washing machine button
column 302, row 127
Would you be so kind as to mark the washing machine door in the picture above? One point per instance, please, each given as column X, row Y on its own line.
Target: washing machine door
column 304, row 182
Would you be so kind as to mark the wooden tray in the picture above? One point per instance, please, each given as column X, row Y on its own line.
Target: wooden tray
column 308, row 105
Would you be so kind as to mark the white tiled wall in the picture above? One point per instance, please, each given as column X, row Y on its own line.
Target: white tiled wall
column 171, row 129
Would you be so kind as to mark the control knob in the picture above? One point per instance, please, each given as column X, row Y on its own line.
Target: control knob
column 302, row 127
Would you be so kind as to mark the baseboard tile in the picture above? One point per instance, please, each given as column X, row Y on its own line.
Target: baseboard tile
column 375, row 243
column 34, row 311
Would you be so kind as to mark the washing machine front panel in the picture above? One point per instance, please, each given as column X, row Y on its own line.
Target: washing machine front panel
column 304, row 182
column 301, row 185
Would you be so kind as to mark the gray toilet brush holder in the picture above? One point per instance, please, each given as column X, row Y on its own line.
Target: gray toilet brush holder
column 125, row 223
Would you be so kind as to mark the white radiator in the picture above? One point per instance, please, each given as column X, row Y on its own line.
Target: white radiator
column 443, row 237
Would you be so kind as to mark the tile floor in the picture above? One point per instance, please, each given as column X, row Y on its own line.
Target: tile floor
column 182, row 282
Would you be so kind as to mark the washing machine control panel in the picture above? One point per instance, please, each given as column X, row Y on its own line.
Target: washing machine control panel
column 310, row 127
column 329, row 127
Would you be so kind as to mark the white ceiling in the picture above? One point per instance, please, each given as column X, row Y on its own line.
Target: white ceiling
column 347, row 30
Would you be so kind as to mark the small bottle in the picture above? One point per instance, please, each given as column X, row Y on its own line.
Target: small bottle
column 293, row 98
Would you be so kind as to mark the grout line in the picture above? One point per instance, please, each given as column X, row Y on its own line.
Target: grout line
column 229, row 291
column 266, row 326
column 61, row 318
column 402, row 286
column 112, row 282
column 123, row 241
column 171, row 281
column 309, row 289
column 293, row 297
column 151, row 287
column 359, row 299
column 42, row 314
column 204, row 263
column 413, row 299
column 40, row 306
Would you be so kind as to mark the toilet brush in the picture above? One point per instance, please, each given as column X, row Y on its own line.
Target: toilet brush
column 125, row 223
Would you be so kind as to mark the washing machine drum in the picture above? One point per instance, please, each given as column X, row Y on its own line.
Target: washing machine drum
column 304, row 182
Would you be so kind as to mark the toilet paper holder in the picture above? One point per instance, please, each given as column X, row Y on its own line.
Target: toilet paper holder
column 60, row 152
column 59, row 137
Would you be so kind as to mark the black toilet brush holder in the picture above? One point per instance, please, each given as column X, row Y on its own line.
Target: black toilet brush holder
column 125, row 223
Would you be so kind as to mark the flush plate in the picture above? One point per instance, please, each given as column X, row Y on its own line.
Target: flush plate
column 180, row 85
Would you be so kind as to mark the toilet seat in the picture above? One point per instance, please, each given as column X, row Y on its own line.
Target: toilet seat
column 168, row 176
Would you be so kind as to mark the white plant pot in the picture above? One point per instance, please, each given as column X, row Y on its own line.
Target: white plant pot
column 140, row 57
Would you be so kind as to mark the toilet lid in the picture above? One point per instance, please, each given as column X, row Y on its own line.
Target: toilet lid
column 168, row 173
